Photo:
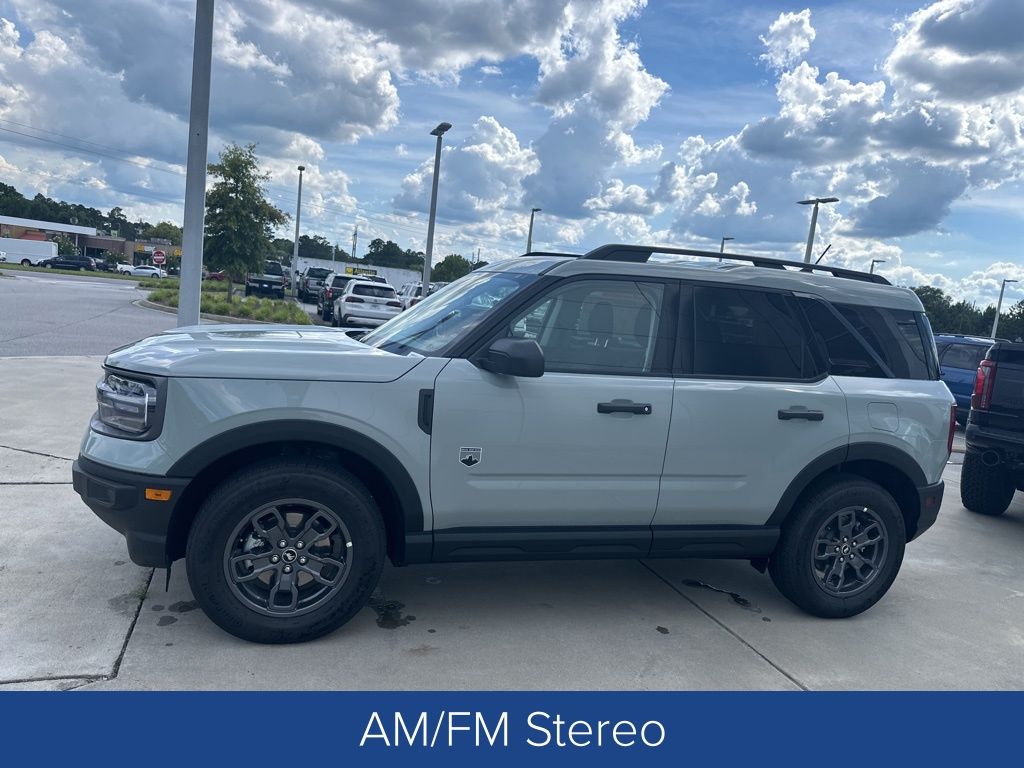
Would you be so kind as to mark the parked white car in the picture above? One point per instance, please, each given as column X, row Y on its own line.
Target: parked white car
column 363, row 302
column 124, row 268
column 148, row 271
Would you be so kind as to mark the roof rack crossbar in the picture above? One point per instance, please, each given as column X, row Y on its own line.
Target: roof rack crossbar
column 641, row 253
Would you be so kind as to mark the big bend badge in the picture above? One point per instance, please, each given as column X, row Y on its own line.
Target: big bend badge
column 470, row 457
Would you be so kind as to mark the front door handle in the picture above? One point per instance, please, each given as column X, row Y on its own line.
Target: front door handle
column 800, row 413
column 625, row 406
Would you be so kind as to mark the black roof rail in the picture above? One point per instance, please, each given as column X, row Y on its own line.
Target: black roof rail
column 639, row 254
column 552, row 253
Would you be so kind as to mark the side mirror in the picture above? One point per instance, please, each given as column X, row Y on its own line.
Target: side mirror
column 513, row 357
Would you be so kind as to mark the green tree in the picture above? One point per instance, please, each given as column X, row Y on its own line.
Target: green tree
column 240, row 221
column 65, row 245
column 315, row 247
column 452, row 267
column 165, row 230
column 389, row 254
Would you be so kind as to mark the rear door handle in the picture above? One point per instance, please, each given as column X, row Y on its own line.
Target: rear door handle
column 800, row 413
column 625, row 406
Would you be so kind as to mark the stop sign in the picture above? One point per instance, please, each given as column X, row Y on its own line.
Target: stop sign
column 159, row 257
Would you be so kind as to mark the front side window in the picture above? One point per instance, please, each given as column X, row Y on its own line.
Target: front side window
column 596, row 326
column 436, row 322
column 749, row 334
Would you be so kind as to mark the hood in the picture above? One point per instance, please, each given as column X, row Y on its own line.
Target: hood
column 290, row 352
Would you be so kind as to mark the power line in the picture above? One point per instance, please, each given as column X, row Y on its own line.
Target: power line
column 93, row 152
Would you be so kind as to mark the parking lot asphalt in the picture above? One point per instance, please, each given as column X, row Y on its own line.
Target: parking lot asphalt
column 43, row 314
column 77, row 614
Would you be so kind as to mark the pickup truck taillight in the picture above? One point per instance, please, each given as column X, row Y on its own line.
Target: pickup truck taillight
column 327, row 293
column 984, row 380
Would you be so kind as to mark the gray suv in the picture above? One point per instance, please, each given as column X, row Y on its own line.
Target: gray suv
column 621, row 404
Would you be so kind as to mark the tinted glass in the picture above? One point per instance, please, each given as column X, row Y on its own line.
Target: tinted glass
column 370, row 289
column 894, row 335
column 317, row 273
column 846, row 355
column 964, row 356
column 273, row 268
column 749, row 333
column 595, row 326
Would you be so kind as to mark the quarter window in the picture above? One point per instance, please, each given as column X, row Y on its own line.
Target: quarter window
column 596, row 326
column 750, row 334
column 894, row 335
column 846, row 355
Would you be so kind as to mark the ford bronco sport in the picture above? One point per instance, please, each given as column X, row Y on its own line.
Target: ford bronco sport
column 621, row 404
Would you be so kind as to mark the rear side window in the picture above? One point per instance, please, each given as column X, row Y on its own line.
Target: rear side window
column 377, row 291
column 894, row 335
column 967, row 356
column 749, row 333
column 846, row 355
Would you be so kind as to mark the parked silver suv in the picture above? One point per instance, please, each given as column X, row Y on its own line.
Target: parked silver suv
column 622, row 404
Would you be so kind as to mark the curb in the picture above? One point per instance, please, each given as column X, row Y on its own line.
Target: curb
column 146, row 304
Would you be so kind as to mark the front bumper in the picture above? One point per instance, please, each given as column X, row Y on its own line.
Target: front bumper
column 119, row 499
column 930, row 501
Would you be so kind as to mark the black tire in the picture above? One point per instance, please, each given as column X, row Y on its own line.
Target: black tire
column 26, row 263
column 231, row 503
column 983, row 489
column 334, row 320
column 792, row 565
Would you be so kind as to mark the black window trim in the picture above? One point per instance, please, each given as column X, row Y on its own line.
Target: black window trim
column 683, row 368
column 486, row 332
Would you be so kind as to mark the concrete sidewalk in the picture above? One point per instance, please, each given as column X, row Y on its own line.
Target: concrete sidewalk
column 76, row 613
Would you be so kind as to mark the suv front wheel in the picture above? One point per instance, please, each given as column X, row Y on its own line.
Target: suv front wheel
column 841, row 548
column 286, row 550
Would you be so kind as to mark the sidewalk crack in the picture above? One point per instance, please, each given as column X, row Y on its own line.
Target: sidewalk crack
column 35, row 453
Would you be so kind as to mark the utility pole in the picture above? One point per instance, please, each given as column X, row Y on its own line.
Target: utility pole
column 355, row 239
column 529, row 236
column 816, row 201
column 999, row 306
column 439, row 132
column 295, row 245
column 195, row 169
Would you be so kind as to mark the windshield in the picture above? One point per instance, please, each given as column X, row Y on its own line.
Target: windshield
column 318, row 273
column 372, row 289
column 273, row 268
column 436, row 322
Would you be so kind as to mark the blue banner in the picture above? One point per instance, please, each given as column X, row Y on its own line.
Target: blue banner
column 591, row 728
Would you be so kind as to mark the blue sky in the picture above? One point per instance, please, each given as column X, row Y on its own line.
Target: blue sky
column 670, row 121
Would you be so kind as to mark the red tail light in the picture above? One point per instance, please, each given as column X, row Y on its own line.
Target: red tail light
column 394, row 304
column 985, row 379
column 952, row 430
column 354, row 299
column 327, row 293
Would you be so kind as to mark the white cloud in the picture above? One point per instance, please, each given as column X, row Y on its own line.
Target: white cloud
column 789, row 37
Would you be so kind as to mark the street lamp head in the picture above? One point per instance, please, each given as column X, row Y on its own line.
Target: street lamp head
column 441, row 129
column 816, row 200
column 728, row 238
column 302, row 168
column 535, row 210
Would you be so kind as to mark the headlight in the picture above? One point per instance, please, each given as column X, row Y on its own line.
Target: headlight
column 125, row 404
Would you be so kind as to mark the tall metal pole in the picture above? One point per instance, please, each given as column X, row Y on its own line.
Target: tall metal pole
column 529, row 235
column 195, row 169
column 355, row 239
column 721, row 248
column 439, row 132
column 295, row 245
column 873, row 262
column 999, row 306
column 810, row 235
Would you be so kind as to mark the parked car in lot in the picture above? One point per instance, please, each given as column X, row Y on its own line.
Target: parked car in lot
column 145, row 270
column 412, row 293
column 219, row 276
column 271, row 281
column 959, row 358
column 597, row 406
column 331, row 287
column 28, row 253
column 310, row 283
column 994, row 459
column 69, row 261
column 364, row 302
column 124, row 268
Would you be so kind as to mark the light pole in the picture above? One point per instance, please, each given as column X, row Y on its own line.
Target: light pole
column 295, row 245
column 721, row 248
column 816, row 201
column 873, row 262
column 195, row 168
column 439, row 132
column 529, row 236
column 999, row 306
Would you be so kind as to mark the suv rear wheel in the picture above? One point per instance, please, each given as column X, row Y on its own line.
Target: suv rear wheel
column 841, row 548
column 987, row 490
column 285, row 551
